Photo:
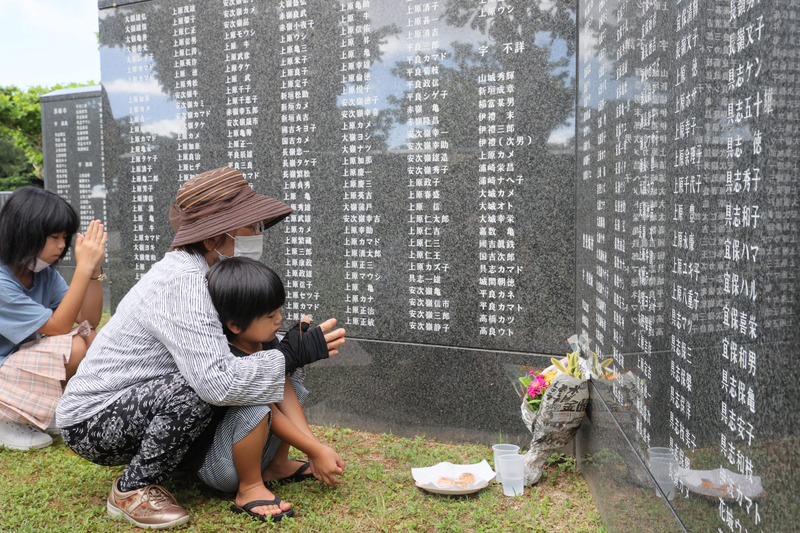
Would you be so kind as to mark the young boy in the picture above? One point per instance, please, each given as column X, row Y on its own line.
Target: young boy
column 251, row 443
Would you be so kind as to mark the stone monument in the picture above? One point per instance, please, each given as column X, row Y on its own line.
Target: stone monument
column 72, row 145
column 475, row 181
column 687, row 262
column 425, row 152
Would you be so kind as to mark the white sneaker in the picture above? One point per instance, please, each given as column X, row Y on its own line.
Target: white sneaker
column 22, row 436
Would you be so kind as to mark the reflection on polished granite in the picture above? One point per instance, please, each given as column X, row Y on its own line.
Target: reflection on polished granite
column 426, row 168
column 615, row 467
column 420, row 390
column 625, row 493
column 688, row 202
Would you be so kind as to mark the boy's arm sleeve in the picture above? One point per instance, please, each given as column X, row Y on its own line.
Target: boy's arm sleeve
column 301, row 349
column 185, row 321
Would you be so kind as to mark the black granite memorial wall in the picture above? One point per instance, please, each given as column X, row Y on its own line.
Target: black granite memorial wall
column 687, row 262
column 425, row 148
column 475, row 181
column 72, row 145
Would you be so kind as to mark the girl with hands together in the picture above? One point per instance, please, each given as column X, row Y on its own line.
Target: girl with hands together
column 38, row 310
column 84, row 299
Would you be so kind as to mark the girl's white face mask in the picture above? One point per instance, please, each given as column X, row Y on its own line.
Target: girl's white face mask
column 38, row 265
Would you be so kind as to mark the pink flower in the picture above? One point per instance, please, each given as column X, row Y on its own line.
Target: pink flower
column 537, row 387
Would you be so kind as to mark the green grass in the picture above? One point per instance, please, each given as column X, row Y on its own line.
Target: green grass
column 103, row 319
column 54, row 490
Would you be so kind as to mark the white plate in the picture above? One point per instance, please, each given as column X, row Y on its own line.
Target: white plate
column 457, row 491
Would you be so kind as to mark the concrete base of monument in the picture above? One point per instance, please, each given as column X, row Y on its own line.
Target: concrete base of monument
column 451, row 394
column 320, row 414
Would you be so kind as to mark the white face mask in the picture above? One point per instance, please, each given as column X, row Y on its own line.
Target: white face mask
column 38, row 265
column 247, row 246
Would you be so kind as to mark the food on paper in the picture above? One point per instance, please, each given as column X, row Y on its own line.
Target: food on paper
column 463, row 481
column 451, row 479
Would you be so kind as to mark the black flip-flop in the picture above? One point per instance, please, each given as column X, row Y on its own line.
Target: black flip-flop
column 246, row 509
column 298, row 475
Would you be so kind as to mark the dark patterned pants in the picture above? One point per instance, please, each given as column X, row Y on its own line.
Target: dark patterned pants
column 149, row 428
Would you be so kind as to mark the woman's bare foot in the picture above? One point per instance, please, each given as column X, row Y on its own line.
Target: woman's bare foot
column 280, row 469
column 247, row 494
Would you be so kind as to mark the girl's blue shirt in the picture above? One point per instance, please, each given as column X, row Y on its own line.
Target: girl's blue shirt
column 23, row 311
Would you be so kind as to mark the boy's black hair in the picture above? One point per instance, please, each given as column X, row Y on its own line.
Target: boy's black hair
column 29, row 216
column 242, row 290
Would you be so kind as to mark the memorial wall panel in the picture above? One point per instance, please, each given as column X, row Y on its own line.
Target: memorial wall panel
column 72, row 146
column 688, row 246
column 424, row 146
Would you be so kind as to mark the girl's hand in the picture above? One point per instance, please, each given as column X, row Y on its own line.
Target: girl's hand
column 90, row 249
column 334, row 338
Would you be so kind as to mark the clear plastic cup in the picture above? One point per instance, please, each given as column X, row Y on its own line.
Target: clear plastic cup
column 512, row 469
column 659, row 452
column 502, row 449
column 664, row 470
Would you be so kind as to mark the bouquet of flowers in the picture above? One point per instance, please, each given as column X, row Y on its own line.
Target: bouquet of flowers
column 552, row 408
column 535, row 387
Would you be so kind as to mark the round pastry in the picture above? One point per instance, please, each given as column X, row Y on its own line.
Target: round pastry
column 467, row 478
column 445, row 482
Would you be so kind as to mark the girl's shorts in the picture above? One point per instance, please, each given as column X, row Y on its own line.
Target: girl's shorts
column 30, row 379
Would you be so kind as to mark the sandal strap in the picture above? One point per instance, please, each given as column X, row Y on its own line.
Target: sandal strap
column 303, row 467
column 258, row 503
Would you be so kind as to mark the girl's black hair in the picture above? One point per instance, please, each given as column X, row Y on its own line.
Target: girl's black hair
column 242, row 290
column 29, row 216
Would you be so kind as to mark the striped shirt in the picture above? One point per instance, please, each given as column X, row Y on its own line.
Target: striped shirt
column 165, row 324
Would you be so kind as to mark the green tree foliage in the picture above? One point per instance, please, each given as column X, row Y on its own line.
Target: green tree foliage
column 15, row 169
column 21, row 161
